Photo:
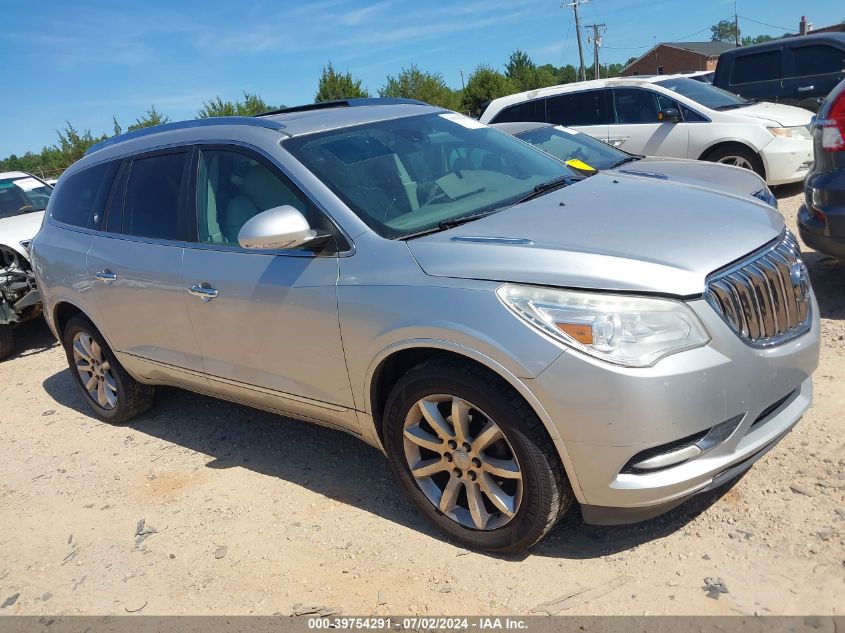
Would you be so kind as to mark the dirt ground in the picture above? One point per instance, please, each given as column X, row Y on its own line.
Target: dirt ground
column 257, row 514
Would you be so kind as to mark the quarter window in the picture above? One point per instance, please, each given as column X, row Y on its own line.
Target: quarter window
column 757, row 67
column 818, row 60
column 233, row 187
column 153, row 192
column 577, row 108
column 76, row 199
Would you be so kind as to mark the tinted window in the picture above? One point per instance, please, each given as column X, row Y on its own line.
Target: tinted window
column 76, row 198
column 758, row 67
column 817, row 60
column 528, row 111
column 233, row 187
column 151, row 207
column 633, row 105
column 577, row 108
column 705, row 94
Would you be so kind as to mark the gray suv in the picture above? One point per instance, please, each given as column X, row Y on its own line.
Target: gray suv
column 514, row 338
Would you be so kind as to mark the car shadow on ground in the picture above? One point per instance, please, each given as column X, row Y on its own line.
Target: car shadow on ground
column 32, row 337
column 338, row 466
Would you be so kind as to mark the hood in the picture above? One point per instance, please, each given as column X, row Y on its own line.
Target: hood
column 777, row 113
column 607, row 232
column 728, row 178
column 18, row 228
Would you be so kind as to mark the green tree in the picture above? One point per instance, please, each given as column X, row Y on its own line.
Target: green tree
column 334, row 86
column 73, row 144
column 252, row 105
column 483, row 85
column 759, row 39
column 526, row 75
column 567, row 74
column 413, row 83
column 150, row 118
column 723, row 31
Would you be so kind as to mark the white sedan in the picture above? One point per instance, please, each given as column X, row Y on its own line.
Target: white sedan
column 673, row 116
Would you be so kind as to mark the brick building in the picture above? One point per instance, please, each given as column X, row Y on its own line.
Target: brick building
column 678, row 57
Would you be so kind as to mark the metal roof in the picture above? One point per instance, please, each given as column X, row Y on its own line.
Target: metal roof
column 710, row 49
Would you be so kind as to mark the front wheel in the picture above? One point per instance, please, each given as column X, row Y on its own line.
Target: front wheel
column 109, row 390
column 474, row 457
column 738, row 156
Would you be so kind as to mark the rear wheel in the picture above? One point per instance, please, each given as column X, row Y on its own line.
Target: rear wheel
column 474, row 457
column 109, row 390
column 7, row 340
column 738, row 156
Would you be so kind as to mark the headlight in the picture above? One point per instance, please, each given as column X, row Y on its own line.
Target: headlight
column 798, row 131
column 619, row 329
column 765, row 194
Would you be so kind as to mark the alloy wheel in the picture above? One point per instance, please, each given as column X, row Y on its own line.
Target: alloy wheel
column 94, row 371
column 462, row 462
column 736, row 161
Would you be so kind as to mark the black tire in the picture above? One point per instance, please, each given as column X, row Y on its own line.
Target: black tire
column 133, row 397
column 740, row 151
column 7, row 341
column 546, row 493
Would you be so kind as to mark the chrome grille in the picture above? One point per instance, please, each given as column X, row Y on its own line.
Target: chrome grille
column 765, row 298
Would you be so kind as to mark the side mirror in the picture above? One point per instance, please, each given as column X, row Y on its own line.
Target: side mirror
column 281, row 227
column 669, row 115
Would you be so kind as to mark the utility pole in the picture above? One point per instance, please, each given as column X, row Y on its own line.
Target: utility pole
column 574, row 4
column 596, row 44
column 736, row 24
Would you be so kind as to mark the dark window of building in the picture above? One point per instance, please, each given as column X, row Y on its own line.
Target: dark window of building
column 75, row 201
column 635, row 73
column 151, row 207
column 817, row 60
column 528, row 111
column 757, row 67
column 577, row 108
column 660, row 70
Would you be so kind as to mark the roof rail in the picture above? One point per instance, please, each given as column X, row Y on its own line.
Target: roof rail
column 184, row 125
column 344, row 103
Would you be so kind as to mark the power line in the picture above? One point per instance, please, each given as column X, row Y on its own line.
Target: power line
column 677, row 40
column 774, row 26
column 596, row 44
column 575, row 4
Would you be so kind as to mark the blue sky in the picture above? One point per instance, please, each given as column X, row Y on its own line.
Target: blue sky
column 86, row 61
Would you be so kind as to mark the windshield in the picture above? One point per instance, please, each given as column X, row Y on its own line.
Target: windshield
column 571, row 145
column 405, row 176
column 24, row 194
column 703, row 93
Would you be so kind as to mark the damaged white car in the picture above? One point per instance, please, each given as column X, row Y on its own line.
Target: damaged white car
column 23, row 198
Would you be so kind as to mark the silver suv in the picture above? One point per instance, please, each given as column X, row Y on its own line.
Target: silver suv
column 513, row 338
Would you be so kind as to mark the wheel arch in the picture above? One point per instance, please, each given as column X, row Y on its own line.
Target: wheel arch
column 398, row 358
column 727, row 144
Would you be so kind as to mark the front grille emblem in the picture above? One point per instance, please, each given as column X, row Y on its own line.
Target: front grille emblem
column 800, row 281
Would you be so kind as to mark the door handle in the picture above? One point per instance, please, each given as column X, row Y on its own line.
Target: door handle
column 106, row 276
column 203, row 292
column 805, row 88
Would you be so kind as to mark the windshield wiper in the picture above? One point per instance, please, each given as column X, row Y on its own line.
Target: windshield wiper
column 734, row 106
column 450, row 223
column 545, row 187
column 624, row 161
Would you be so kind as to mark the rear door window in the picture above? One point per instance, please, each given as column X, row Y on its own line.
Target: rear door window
column 154, row 196
column 818, row 59
column 633, row 105
column 82, row 195
column 529, row 111
column 757, row 67
column 577, row 108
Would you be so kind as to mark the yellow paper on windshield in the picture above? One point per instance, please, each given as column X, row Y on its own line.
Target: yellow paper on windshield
column 578, row 164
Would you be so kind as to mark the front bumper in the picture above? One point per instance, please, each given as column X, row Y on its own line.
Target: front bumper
column 606, row 415
column 787, row 160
